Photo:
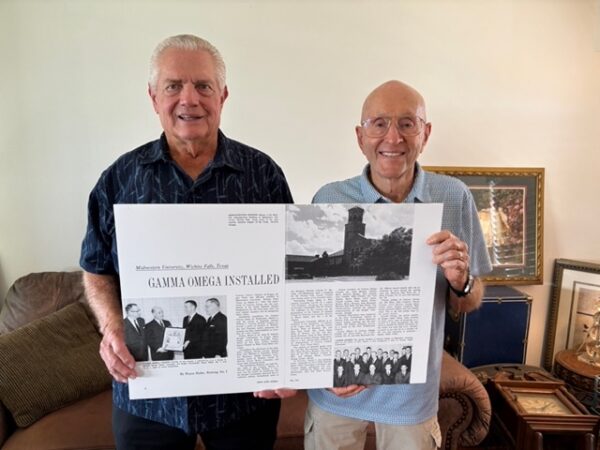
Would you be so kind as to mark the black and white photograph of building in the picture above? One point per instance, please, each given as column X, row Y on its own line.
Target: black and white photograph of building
column 348, row 242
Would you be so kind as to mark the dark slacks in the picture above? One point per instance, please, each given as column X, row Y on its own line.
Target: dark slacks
column 257, row 431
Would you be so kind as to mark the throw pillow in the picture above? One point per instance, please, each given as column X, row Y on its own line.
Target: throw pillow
column 49, row 363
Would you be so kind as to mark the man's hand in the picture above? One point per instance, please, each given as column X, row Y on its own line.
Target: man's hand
column 103, row 297
column 116, row 355
column 276, row 393
column 348, row 391
column 452, row 255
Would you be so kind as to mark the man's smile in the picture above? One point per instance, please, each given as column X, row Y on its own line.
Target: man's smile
column 189, row 117
column 392, row 154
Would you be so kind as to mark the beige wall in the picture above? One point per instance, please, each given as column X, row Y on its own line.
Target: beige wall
column 508, row 83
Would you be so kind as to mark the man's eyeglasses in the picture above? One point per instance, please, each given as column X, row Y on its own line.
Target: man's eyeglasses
column 376, row 127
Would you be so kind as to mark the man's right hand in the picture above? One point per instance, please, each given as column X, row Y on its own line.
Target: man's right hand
column 103, row 297
column 116, row 355
column 348, row 391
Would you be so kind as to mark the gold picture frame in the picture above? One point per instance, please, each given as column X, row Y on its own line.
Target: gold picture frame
column 510, row 204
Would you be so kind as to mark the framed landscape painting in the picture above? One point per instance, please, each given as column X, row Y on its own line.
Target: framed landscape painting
column 510, row 205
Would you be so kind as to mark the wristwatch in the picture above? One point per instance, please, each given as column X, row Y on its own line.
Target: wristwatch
column 466, row 290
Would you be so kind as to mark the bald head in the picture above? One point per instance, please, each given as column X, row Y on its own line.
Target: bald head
column 392, row 151
column 394, row 98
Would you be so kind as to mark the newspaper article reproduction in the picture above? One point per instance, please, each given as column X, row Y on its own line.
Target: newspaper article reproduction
column 359, row 280
column 239, row 298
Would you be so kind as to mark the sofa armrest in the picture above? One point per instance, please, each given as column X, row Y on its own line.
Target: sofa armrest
column 465, row 409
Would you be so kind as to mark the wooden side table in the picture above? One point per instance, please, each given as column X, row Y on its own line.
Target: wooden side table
column 578, row 375
column 499, row 438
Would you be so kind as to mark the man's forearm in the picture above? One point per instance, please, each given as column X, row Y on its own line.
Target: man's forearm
column 469, row 302
column 103, row 296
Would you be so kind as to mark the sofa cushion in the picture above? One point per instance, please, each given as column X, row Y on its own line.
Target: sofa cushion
column 37, row 295
column 85, row 424
column 49, row 363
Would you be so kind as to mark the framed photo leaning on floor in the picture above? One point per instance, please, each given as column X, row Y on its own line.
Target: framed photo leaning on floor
column 574, row 300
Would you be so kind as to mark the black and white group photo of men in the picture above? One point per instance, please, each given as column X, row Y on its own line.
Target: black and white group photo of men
column 195, row 328
column 372, row 366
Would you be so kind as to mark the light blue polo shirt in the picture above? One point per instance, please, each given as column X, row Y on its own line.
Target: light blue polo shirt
column 408, row 404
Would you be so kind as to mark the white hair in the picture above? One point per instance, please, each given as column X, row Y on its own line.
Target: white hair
column 186, row 42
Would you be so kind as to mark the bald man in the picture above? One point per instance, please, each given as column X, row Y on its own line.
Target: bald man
column 155, row 333
column 392, row 134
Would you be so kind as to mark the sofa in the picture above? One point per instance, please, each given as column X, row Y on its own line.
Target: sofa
column 55, row 392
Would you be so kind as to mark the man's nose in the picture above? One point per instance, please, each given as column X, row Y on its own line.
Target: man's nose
column 189, row 96
column 393, row 135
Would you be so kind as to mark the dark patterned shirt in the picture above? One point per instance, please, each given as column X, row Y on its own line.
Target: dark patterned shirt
column 148, row 174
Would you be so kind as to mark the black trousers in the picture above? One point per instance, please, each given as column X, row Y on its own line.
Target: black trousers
column 257, row 431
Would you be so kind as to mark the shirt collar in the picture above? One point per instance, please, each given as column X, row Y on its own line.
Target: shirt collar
column 417, row 194
column 225, row 155
column 369, row 193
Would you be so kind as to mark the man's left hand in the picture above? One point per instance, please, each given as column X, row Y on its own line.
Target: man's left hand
column 347, row 391
column 452, row 255
column 276, row 393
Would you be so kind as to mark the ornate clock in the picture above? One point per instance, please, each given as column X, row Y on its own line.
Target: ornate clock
column 542, row 415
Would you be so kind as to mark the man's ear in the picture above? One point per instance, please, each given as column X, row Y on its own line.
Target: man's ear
column 224, row 95
column 152, row 95
column 426, row 134
column 359, row 136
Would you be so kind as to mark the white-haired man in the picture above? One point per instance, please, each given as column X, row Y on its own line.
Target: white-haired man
column 191, row 162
